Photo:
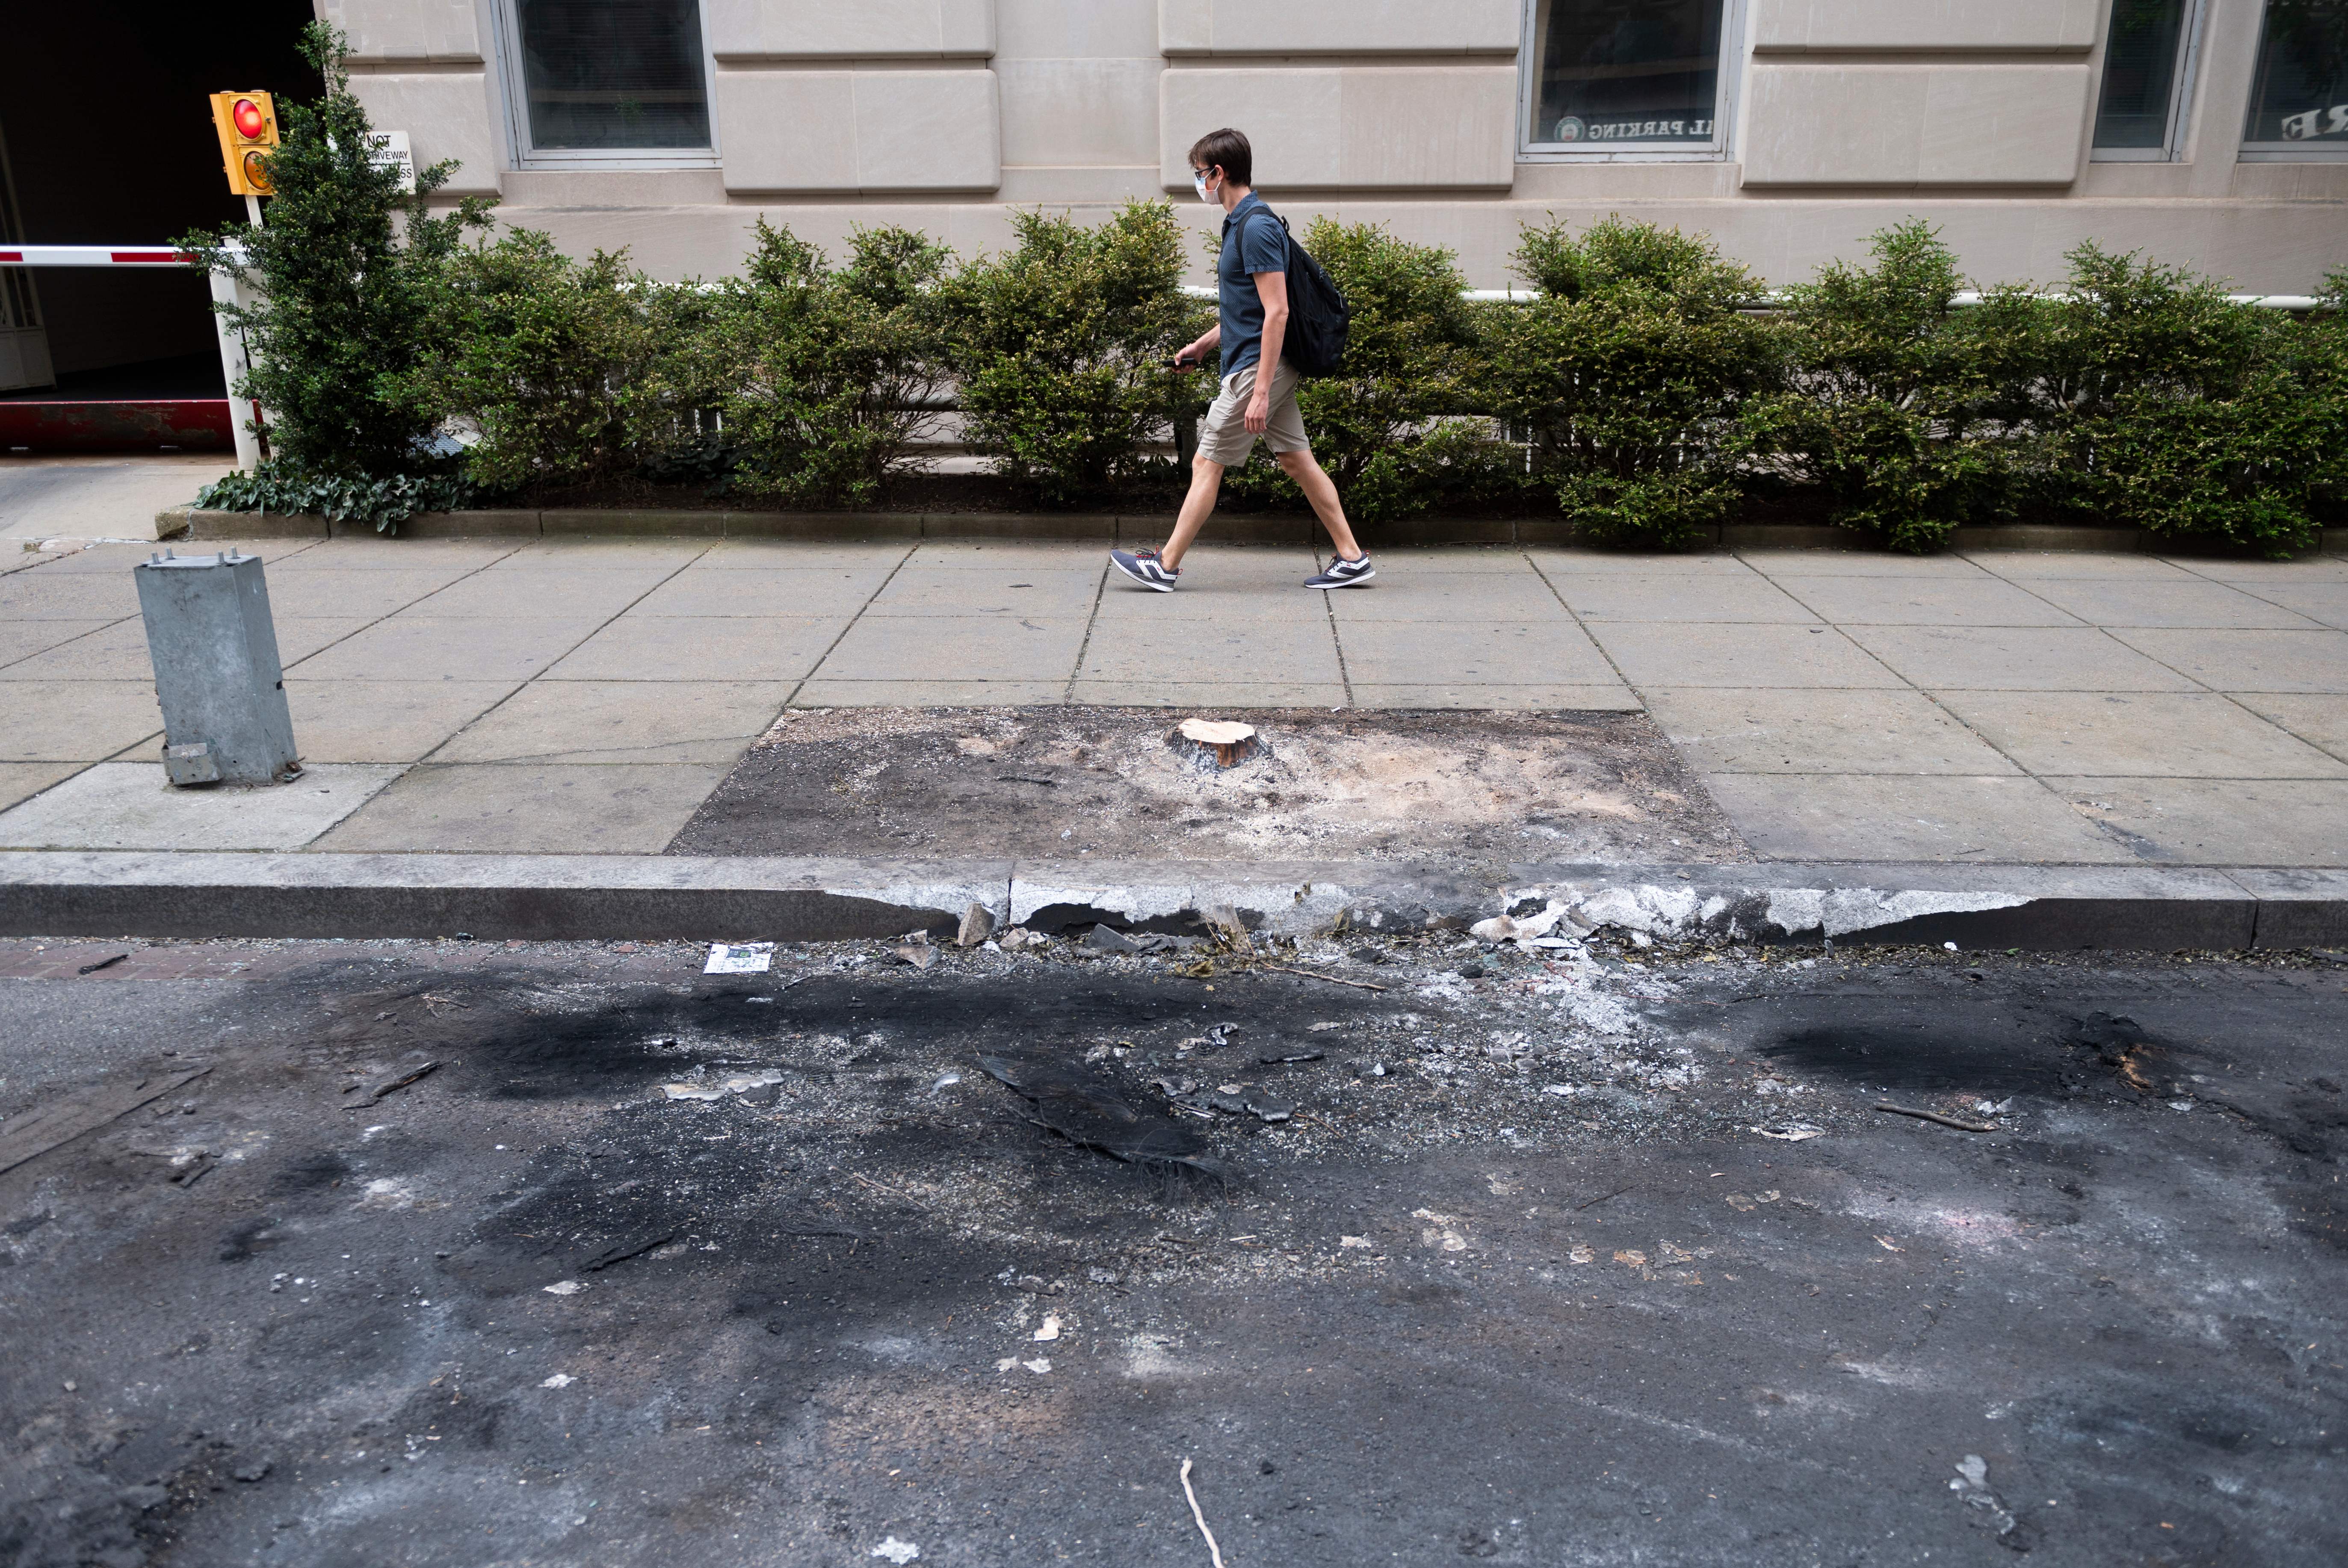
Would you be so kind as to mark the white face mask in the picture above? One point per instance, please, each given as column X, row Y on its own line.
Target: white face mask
column 1199, row 180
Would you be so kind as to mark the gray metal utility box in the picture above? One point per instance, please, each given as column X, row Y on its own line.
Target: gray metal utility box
column 215, row 649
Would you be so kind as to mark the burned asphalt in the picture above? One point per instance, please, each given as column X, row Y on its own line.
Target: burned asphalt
column 1584, row 1254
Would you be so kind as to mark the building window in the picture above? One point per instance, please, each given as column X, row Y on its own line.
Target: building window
column 605, row 81
column 2147, row 80
column 2299, row 96
column 1639, row 78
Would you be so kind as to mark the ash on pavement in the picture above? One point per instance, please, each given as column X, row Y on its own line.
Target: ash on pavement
column 1066, row 783
column 1601, row 1256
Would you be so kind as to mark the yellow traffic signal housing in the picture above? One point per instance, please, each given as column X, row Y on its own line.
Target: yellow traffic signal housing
column 247, row 124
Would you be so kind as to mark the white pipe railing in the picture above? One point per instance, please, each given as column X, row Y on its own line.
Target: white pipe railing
column 1961, row 299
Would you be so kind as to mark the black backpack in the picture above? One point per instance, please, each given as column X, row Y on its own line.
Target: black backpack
column 1318, row 319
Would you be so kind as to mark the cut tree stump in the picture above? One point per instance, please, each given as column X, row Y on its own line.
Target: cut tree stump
column 1227, row 743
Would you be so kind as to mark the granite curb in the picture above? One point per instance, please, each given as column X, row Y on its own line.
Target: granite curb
column 652, row 897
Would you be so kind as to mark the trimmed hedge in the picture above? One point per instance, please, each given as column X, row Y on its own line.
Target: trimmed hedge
column 1651, row 390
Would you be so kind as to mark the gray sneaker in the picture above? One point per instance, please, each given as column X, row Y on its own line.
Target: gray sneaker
column 1344, row 573
column 1144, row 567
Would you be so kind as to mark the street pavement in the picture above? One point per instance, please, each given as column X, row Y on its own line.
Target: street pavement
column 1598, row 1256
column 559, row 696
column 99, row 496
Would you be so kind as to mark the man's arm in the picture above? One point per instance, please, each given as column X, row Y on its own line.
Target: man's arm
column 1274, row 289
column 1196, row 353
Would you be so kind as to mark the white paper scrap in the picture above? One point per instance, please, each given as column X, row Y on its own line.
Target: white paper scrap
column 739, row 958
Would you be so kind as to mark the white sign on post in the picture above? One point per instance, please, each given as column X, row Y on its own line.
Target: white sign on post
column 390, row 147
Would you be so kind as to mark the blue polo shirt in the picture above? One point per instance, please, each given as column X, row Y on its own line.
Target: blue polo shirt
column 1260, row 247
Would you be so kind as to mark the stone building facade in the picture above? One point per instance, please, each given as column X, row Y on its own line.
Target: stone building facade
column 2212, row 133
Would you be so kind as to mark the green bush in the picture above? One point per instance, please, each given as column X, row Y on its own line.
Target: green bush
column 542, row 356
column 1626, row 376
column 2171, row 407
column 339, row 326
column 1394, row 426
column 1063, row 348
column 1903, row 404
column 824, row 377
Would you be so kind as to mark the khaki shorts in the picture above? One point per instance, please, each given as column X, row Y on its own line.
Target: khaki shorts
column 1223, row 435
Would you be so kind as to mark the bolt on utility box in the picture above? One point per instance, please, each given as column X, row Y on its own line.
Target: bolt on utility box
column 215, row 649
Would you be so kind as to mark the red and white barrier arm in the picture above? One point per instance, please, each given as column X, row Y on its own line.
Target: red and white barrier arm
column 94, row 256
column 224, row 291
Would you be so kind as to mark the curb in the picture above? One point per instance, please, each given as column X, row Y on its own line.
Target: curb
column 193, row 524
column 654, row 897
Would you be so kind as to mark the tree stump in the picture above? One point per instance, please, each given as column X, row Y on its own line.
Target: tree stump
column 1214, row 742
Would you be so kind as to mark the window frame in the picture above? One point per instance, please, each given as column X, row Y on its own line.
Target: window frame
column 1730, row 75
column 505, row 20
column 2250, row 152
column 2180, row 94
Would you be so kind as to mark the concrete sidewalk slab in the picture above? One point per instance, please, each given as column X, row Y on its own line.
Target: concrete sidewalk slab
column 1654, row 653
column 956, row 647
column 76, row 721
column 701, row 648
column 1906, row 732
column 2326, row 603
column 1614, row 596
column 1473, row 652
column 1411, row 596
column 417, row 647
column 2157, row 735
column 1863, row 817
column 2030, row 566
column 548, row 808
column 371, row 592
column 1296, row 648
column 918, row 590
column 2016, row 658
column 85, row 596
column 763, row 591
column 1614, row 698
column 710, row 722
column 540, row 593
column 129, row 806
column 2215, row 821
column 2319, row 719
column 23, row 639
column 824, row 693
column 1237, row 696
column 2250, row 661
column 2197, row 604
column 1924, row 602
column 22, row 780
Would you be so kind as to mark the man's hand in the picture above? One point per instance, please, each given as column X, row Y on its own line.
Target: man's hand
column 1259, row 410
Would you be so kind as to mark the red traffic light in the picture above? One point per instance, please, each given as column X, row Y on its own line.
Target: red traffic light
column 249, row 121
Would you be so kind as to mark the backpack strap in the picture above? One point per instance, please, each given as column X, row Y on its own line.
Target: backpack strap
column 1287, row 238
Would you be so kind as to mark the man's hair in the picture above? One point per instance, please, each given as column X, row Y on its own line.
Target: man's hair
column 1230, row 148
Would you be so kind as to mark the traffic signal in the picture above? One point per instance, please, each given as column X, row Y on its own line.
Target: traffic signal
column 247, row 123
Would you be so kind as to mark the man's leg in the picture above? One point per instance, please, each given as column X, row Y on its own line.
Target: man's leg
column 1206, row 483
column 1322, row 492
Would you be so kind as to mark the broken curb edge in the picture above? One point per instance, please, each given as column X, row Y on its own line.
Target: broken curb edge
column 592, row 897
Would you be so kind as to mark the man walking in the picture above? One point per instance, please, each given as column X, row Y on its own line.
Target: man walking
column 1258, row 392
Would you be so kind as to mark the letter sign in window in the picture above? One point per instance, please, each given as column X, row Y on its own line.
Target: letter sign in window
column 1611, row 72
column 2299, row 98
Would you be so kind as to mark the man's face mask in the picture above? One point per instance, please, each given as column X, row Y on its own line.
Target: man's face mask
column 1199, row 176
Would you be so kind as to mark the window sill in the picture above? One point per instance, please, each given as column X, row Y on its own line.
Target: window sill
column 2291, row 153
column 1625, row 155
